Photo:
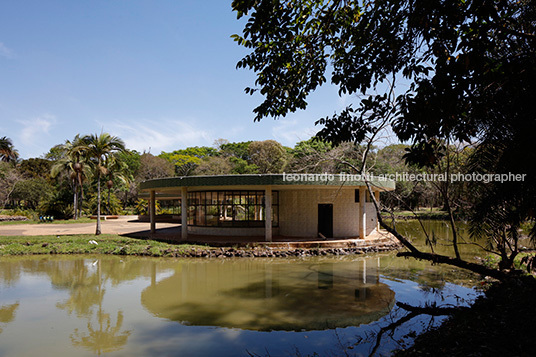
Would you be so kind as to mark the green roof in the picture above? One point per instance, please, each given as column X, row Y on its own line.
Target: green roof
column 314, row 180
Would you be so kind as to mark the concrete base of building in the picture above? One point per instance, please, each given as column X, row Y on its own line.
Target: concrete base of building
column 376, row 238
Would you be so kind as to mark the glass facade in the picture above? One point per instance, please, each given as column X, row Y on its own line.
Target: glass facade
column 230, row 208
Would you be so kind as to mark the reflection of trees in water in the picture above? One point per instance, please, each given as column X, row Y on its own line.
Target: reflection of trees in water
column 85, row 282
column 9, row 272
column 7, row 313
column 103, row 338
column 431, row 278
column 87, row 290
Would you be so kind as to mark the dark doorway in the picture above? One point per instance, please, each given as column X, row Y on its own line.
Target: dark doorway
column 325, row 220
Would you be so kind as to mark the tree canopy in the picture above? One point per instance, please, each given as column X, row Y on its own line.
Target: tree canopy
column 7, row 150
column 459, row 59
column 436, row 72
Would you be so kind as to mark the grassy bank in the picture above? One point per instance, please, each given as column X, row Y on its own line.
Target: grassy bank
column 423, row 213
column 85, row 244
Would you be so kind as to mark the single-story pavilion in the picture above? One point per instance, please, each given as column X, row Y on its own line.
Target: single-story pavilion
column 298, row 205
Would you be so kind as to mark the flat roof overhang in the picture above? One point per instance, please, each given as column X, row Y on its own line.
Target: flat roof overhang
column 166, row 188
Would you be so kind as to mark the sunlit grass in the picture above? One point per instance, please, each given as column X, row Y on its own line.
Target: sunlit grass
column 59, row 221
column 85, row 244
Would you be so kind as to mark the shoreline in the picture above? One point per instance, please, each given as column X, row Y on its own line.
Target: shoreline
column 110, row 244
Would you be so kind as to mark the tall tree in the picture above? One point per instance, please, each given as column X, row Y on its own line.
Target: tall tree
column 117, row 171
column 9, row 176
column 71, row 160
column 186, row 160
column 153, row 167
column 469, row 75
column 268, row 155
column 98, row 150
column 7, row 150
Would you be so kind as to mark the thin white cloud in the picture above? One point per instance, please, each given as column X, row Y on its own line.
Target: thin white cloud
column 34, row 135
column 290, row 131
column 6, row 52
column 33, row 129
column 158, row 136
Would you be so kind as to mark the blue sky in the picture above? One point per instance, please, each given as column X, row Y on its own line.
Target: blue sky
column 159, row 74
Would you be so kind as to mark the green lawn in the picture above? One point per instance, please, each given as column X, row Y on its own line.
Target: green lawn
column 59, row 221
column 80, row 244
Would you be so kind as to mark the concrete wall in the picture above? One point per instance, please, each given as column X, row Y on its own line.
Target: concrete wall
column 298, row 215
column 372, row 219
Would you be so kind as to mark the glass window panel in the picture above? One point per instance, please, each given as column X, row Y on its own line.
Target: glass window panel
column 227, row 218
column 239, row 213
column 200, row 215
column 228, row 208
column 275, row 215
column 212, row 215
column 275, row 197
column 191, row 215
column 251, row 212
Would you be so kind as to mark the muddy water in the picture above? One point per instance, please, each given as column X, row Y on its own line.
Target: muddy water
column 92, row 305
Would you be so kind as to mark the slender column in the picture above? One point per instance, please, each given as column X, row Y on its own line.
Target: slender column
column 268, row 214
column 184, row 213
column 364, row 271
column 152, row 211
column 362, row 212
column 377, row 197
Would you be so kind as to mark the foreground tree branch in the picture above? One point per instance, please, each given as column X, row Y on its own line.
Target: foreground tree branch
column 433, row 257
column 414, row 311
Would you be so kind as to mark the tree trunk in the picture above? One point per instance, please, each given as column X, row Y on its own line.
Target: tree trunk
column 75, row 202
column 98, row 231
column 81, row 201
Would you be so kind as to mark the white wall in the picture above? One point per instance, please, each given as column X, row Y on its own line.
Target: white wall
column 298, row 216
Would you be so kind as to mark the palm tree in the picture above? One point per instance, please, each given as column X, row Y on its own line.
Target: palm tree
column 117, row 169
column 7, row 151
column 73, row 163
column 98, row 149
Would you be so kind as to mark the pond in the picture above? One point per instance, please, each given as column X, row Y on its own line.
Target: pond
column 87, row 305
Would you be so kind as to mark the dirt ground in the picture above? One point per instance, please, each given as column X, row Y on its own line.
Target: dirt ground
column 123, row 225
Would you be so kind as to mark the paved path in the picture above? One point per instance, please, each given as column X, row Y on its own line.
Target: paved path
column 122, row 225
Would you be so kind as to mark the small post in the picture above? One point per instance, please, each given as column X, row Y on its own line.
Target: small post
column 268, row 214
column 362, row 212
column 377, row 197
column 152, row 211
column 184, row 213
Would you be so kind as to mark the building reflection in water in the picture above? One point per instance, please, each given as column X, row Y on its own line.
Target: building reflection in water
column 272, row 294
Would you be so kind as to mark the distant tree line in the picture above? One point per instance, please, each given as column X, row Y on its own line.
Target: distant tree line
column 64, row 182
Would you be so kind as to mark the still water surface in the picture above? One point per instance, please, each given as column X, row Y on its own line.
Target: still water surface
column 91, row 305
